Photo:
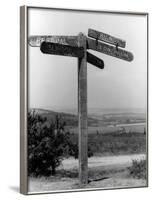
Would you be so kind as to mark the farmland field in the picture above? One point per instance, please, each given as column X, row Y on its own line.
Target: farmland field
column 108, row 129
column 115, row 143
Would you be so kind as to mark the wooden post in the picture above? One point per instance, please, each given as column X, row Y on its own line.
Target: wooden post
column 82, row 113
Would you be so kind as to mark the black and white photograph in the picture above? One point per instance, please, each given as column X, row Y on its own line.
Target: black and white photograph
column 86, row 100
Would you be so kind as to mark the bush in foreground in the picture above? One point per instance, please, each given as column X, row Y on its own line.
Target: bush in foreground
column 138, row 169
column 48, row 144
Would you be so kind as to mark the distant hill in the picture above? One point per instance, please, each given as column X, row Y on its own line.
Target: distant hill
column 70, row 119
column 95, row 119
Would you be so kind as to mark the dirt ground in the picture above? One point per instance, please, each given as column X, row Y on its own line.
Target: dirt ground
column 112, row 172
column 104, row 161
column 119, row 181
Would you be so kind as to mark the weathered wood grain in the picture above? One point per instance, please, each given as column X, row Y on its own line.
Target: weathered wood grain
column 109, row 50
column 106, row 38
column 63, row 50
column 82, row 114
column 92, row 59
column 35, row 41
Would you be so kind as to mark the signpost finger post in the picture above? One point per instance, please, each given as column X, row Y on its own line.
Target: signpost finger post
column 82, row 113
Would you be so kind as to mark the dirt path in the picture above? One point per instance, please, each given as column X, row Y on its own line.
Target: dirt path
column 97, row 161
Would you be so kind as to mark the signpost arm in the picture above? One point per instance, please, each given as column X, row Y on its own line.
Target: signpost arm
column 82, row 113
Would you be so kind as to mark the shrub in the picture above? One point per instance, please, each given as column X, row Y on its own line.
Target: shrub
column 74, row 151
column 47, row 144
column 138, row 169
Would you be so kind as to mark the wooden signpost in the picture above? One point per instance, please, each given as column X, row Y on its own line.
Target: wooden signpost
column 35, row 41
column 66, row 50
column 82, row 113
column 76, row 46
column 63, row 50
column 106, row 38
column 95, row 60
column 109, row 50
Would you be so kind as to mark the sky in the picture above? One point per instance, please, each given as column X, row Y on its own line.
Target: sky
column 53, row 79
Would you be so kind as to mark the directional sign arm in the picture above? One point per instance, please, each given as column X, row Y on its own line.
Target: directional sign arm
column 109, row 50
column 35, row 41
column 106, row 38
column 63, row 50
column 95, row 60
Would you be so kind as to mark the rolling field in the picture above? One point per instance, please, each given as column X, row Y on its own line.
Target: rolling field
column 115, row 143
column 108, row 129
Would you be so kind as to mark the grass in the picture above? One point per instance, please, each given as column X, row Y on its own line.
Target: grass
column 115, row 143
column 138, row 169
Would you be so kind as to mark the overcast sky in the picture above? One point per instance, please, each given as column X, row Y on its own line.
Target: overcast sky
column 53, row 79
